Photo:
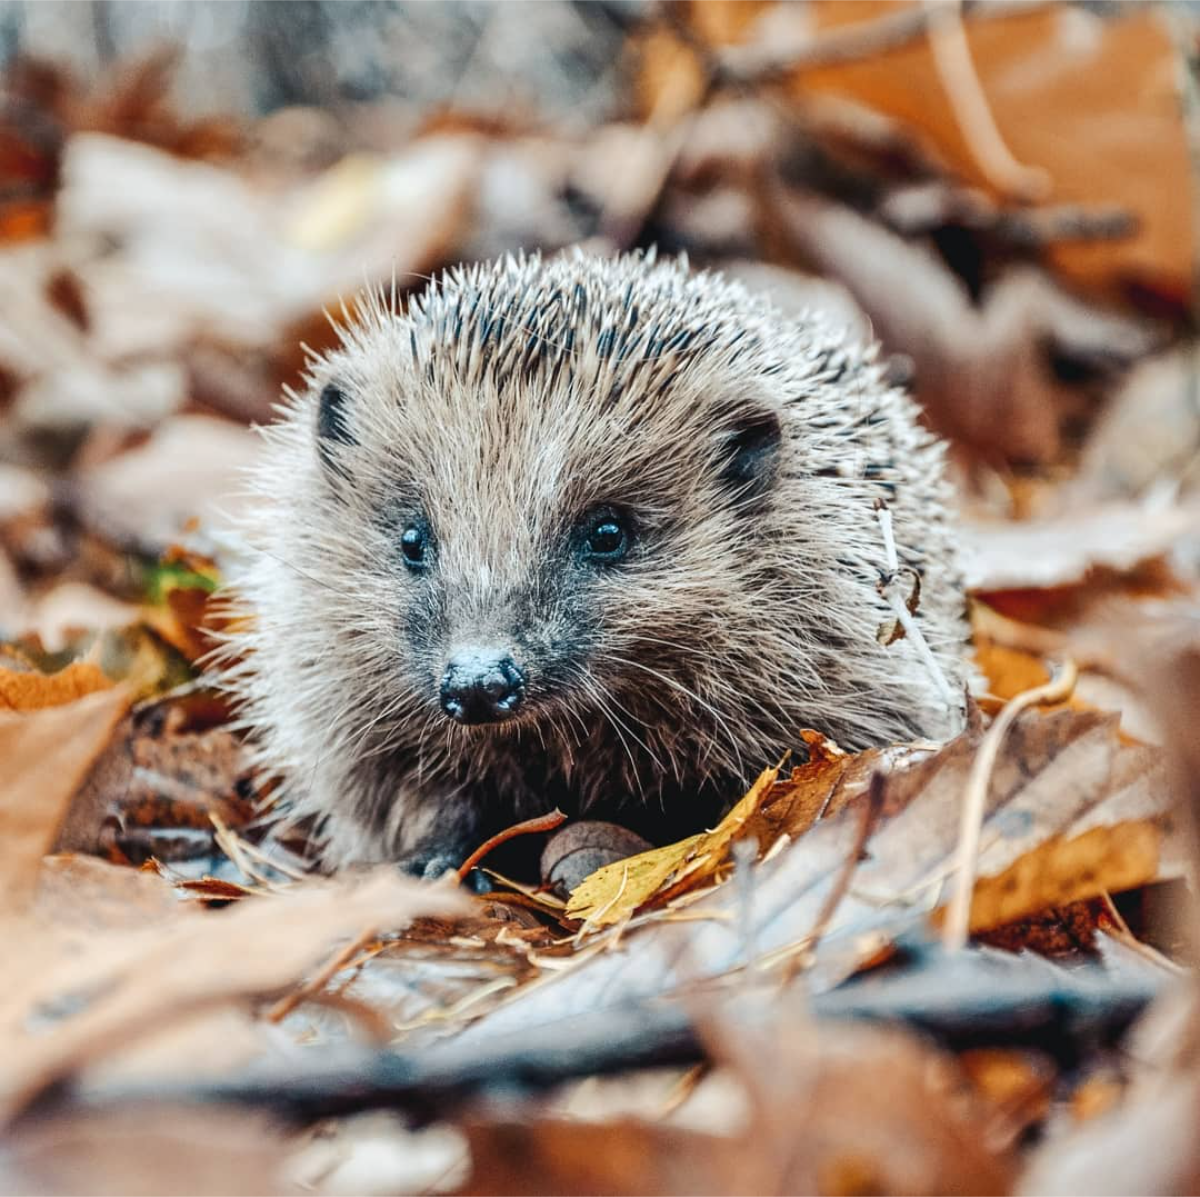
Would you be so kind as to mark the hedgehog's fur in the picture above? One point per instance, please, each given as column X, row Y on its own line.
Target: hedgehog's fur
column 507, row 400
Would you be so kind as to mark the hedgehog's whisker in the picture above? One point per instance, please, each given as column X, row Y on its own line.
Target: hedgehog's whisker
column 602, row 696
column 591, row 688
column 301, row 573
column 687, row 692
column 386, row 744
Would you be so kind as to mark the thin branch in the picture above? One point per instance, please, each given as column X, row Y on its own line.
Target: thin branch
column 761, row 62
column 320, row 979
column 904, row 616
column 971, row 999
column 971, row 110
column 958, row 917
column 528, row 827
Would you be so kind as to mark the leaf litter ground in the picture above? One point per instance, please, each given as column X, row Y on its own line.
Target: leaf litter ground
column 782, row 1002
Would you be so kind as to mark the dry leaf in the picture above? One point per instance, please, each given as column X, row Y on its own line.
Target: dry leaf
column 71, row 608
column 1061, row 551
column 1091, row 100
column 1009, row 671
column 615, row 892
column 846, row 1110
column 1059, row 775
column 551, row 1156
column 136, row 983
column 190, row 468
column 147, row 1152
column 46, row 756
column 1059, row 871
column 31, row 691
column 155, row 791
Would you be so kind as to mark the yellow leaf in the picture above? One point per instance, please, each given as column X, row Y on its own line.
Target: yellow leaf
column 616, row 891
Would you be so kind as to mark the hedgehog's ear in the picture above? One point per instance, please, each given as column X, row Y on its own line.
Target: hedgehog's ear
column 333, row 426
column 750, row 453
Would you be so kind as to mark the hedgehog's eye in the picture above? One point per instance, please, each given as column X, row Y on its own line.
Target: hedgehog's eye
column 414, row 545
column 605, row 536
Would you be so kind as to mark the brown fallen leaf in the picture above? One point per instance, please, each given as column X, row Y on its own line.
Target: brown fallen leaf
column 144, row 1151
column 90, row 895
column 189, row 468
column 822, row 787
column 1016, row 1084
column 46, row 756
column 1147, row 1144
column 1009, row 671
column 549, row 1156
column 153, row 786
column 60, row 615
column 1058, row 775
column 850, row 1109
column 1063, row 550
column 137, row 982
column 1090, row 100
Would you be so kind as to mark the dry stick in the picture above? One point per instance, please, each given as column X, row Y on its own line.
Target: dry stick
column 761, row 62
column 958, row 917
column 318, row 981
column 912, row 629
column 542, row 823
column 971, row 111
column 1120, row 932
column 292, row 874
column 231, row 846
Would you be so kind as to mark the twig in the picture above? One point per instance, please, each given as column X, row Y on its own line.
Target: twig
column 539, row 895
column 542, row 823
column 1119, row 930
column 231, row 844
column 972, row 999
column 291, row 873
column 903, row 615
column 761, row 62
column 958, row 917
column 921, row 208
column 971, row 110
column 319, row 980
column 683, row 1088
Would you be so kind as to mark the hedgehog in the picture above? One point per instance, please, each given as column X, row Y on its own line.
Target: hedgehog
column 600, row 534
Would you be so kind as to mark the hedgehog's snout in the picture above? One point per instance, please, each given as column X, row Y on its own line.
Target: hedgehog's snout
column 481, row 685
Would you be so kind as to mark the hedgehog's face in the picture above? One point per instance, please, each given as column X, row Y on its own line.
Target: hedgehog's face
column 542, row 560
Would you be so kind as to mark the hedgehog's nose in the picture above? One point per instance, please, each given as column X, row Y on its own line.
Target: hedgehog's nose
column 481, row 686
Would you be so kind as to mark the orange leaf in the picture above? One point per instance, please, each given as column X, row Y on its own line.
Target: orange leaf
column 1093, row 101
column 36, row 691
